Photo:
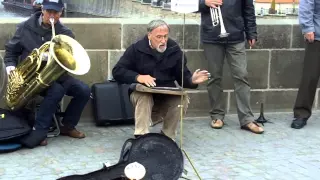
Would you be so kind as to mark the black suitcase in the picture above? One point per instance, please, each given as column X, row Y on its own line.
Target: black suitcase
column 111, row 103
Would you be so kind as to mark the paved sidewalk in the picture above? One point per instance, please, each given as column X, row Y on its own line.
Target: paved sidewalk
column 230, row 153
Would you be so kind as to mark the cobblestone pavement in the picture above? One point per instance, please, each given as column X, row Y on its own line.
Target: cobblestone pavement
column 230, row 153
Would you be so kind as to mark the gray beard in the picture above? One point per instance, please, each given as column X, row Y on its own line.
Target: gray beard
column 161, row 51
column 158, row 49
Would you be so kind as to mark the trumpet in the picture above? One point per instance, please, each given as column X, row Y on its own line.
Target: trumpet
column 216, row 18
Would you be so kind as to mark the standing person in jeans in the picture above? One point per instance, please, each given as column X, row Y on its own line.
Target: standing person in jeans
column 309, row 21
column 239, row 20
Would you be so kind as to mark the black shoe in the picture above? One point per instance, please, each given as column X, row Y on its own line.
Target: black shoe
column 298, row 123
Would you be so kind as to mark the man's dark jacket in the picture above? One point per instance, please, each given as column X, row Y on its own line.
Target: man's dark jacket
column 139, row 58
column 239, row 20
column 30, row 35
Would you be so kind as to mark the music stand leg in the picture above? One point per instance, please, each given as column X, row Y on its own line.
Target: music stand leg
column 261, row 119
column 182, row 101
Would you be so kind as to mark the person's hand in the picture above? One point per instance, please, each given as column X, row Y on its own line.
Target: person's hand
column 200, row 76
column 147, row 80
column 213, row 3
column 9, row 69
column 251, row 42
column 44, row 56
column 309, row 36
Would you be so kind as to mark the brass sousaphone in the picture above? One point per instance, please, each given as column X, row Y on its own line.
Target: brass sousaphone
column 31, row 76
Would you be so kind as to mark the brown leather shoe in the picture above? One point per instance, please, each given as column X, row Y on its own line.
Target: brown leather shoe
column 253, row 127
column 217, row 123
column 44, row 142
column 72, row 133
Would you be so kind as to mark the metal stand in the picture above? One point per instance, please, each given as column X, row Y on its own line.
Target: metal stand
column 3, row 77
column 182, row 99
column 261, row 119
column 56, row 132
column 56, row 119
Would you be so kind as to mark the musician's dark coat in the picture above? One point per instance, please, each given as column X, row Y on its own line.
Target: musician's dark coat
column 140, row 59
column 239, row 20
column 30, row 35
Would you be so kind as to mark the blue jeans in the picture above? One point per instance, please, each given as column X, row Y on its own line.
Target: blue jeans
column 66, row 85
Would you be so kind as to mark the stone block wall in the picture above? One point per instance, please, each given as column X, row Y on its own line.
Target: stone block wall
column 274, row 64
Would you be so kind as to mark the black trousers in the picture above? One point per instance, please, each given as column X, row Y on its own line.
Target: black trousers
column 309, row 81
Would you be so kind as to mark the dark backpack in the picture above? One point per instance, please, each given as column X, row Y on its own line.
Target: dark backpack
column 13, row 126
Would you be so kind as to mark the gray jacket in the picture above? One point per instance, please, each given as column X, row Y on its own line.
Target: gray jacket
column 309, row 17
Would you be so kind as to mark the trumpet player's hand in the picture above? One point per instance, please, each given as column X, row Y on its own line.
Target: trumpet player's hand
column 147, row 80
column 9, row 69
column 251, row 42
column 213, row 3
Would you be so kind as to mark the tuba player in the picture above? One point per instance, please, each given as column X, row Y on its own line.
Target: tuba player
column 31, row 34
